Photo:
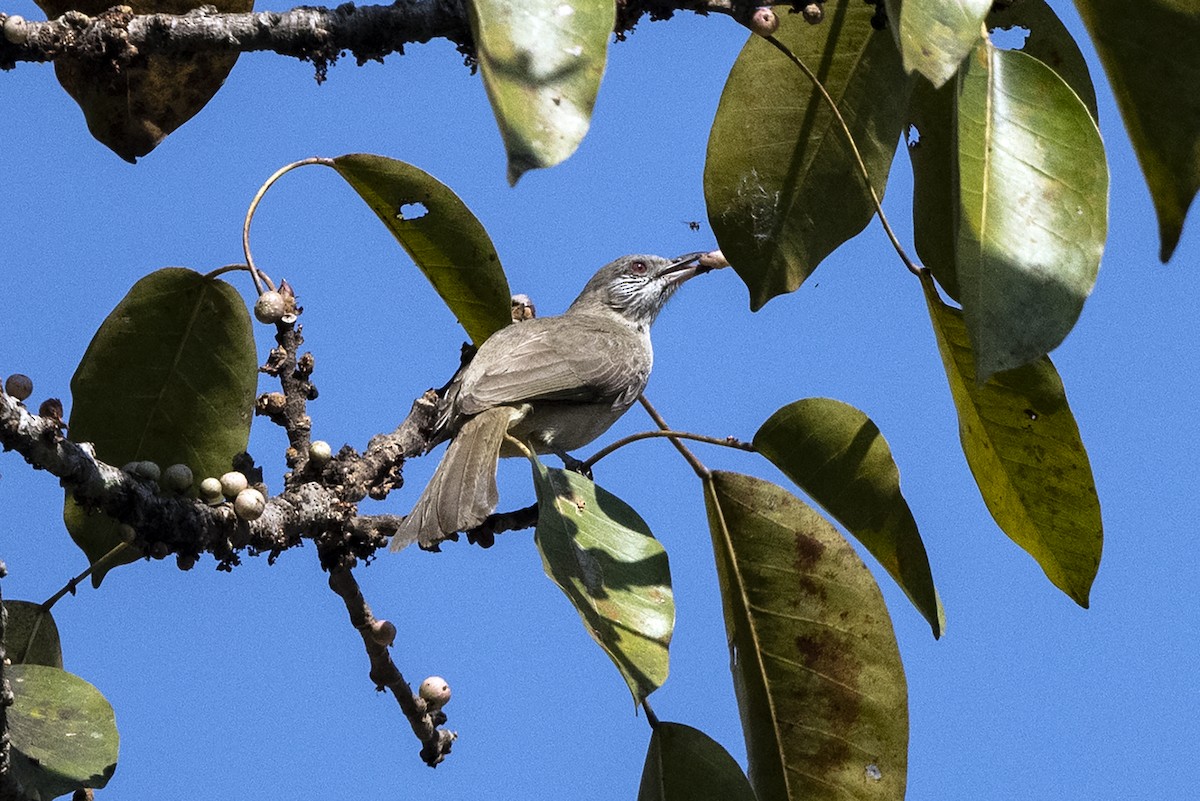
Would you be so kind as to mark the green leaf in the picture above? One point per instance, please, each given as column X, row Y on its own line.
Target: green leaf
column 1033, row 210
column 815, row 664
column 131, row 107
column 781, row 184
column 447, row 242
column 1150, row 53
column 64, row 733
column 603, row 556
column 936, row 35
column 685, row 764
column 542, row 61
column 31, row 635
column 840, row 459
column 1024, row 449
column 931, row 140
column 170, row 378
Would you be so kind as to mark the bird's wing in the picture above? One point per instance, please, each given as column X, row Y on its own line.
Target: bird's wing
column 540, row 364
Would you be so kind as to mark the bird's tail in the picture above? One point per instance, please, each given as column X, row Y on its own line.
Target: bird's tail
column 462, row 492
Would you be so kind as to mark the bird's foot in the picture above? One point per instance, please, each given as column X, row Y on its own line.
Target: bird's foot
column 575, row 465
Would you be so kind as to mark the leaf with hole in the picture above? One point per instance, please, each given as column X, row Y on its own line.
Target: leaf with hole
column 31, row 635
column 445, row 240
column 685, row 764
column 542, row 61
column 837, row 455
column 781, row 183
column 64, row 733
column 169, row 377
column 1033, row 211
column 1149, row 51
column 601, row 553
column 816, row 669
column 1026, row 455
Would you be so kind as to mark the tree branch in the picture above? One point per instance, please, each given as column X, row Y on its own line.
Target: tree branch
column 320, row 35
column 435, row 742
column 167, row 524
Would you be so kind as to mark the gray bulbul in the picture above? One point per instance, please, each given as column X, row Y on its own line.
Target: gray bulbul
column 555, row 383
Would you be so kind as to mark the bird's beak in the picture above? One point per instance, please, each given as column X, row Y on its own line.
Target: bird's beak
column 682, row 268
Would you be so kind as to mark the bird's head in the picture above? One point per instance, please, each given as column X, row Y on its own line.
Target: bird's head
column 637, row 287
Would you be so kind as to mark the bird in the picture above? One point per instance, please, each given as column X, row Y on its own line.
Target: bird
column 555, row 383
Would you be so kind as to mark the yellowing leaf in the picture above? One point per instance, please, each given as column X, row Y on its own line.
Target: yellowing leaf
column 1024, row 449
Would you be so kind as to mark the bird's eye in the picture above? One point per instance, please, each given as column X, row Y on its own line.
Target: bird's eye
column 638, row 268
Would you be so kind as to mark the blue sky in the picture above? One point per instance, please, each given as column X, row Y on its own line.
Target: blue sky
column 252, row 684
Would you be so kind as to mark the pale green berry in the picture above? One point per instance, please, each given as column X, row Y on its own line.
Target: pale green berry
column 435, row 692
column 232, row 483
column 319, row 453
column 249, row 504
column 210, row 490
column 177, row 478
column 270, row 307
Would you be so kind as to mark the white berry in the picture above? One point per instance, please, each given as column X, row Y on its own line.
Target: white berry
column 435, row 692
column 764, row 21
column 249, row 504
column 16, row 32
column 233, row 483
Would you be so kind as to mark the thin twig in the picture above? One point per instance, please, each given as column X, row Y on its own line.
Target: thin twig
column 258, row 196
column 425, row 721
column 70, row 586
column 912, row 266
column 696, row 464
column 728, row 442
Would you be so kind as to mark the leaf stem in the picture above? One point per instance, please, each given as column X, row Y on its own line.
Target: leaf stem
column 260, row 278
column 728, row 442
column 70, row 586
column 912, row 266
column 651, row 718
column 228, row 268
